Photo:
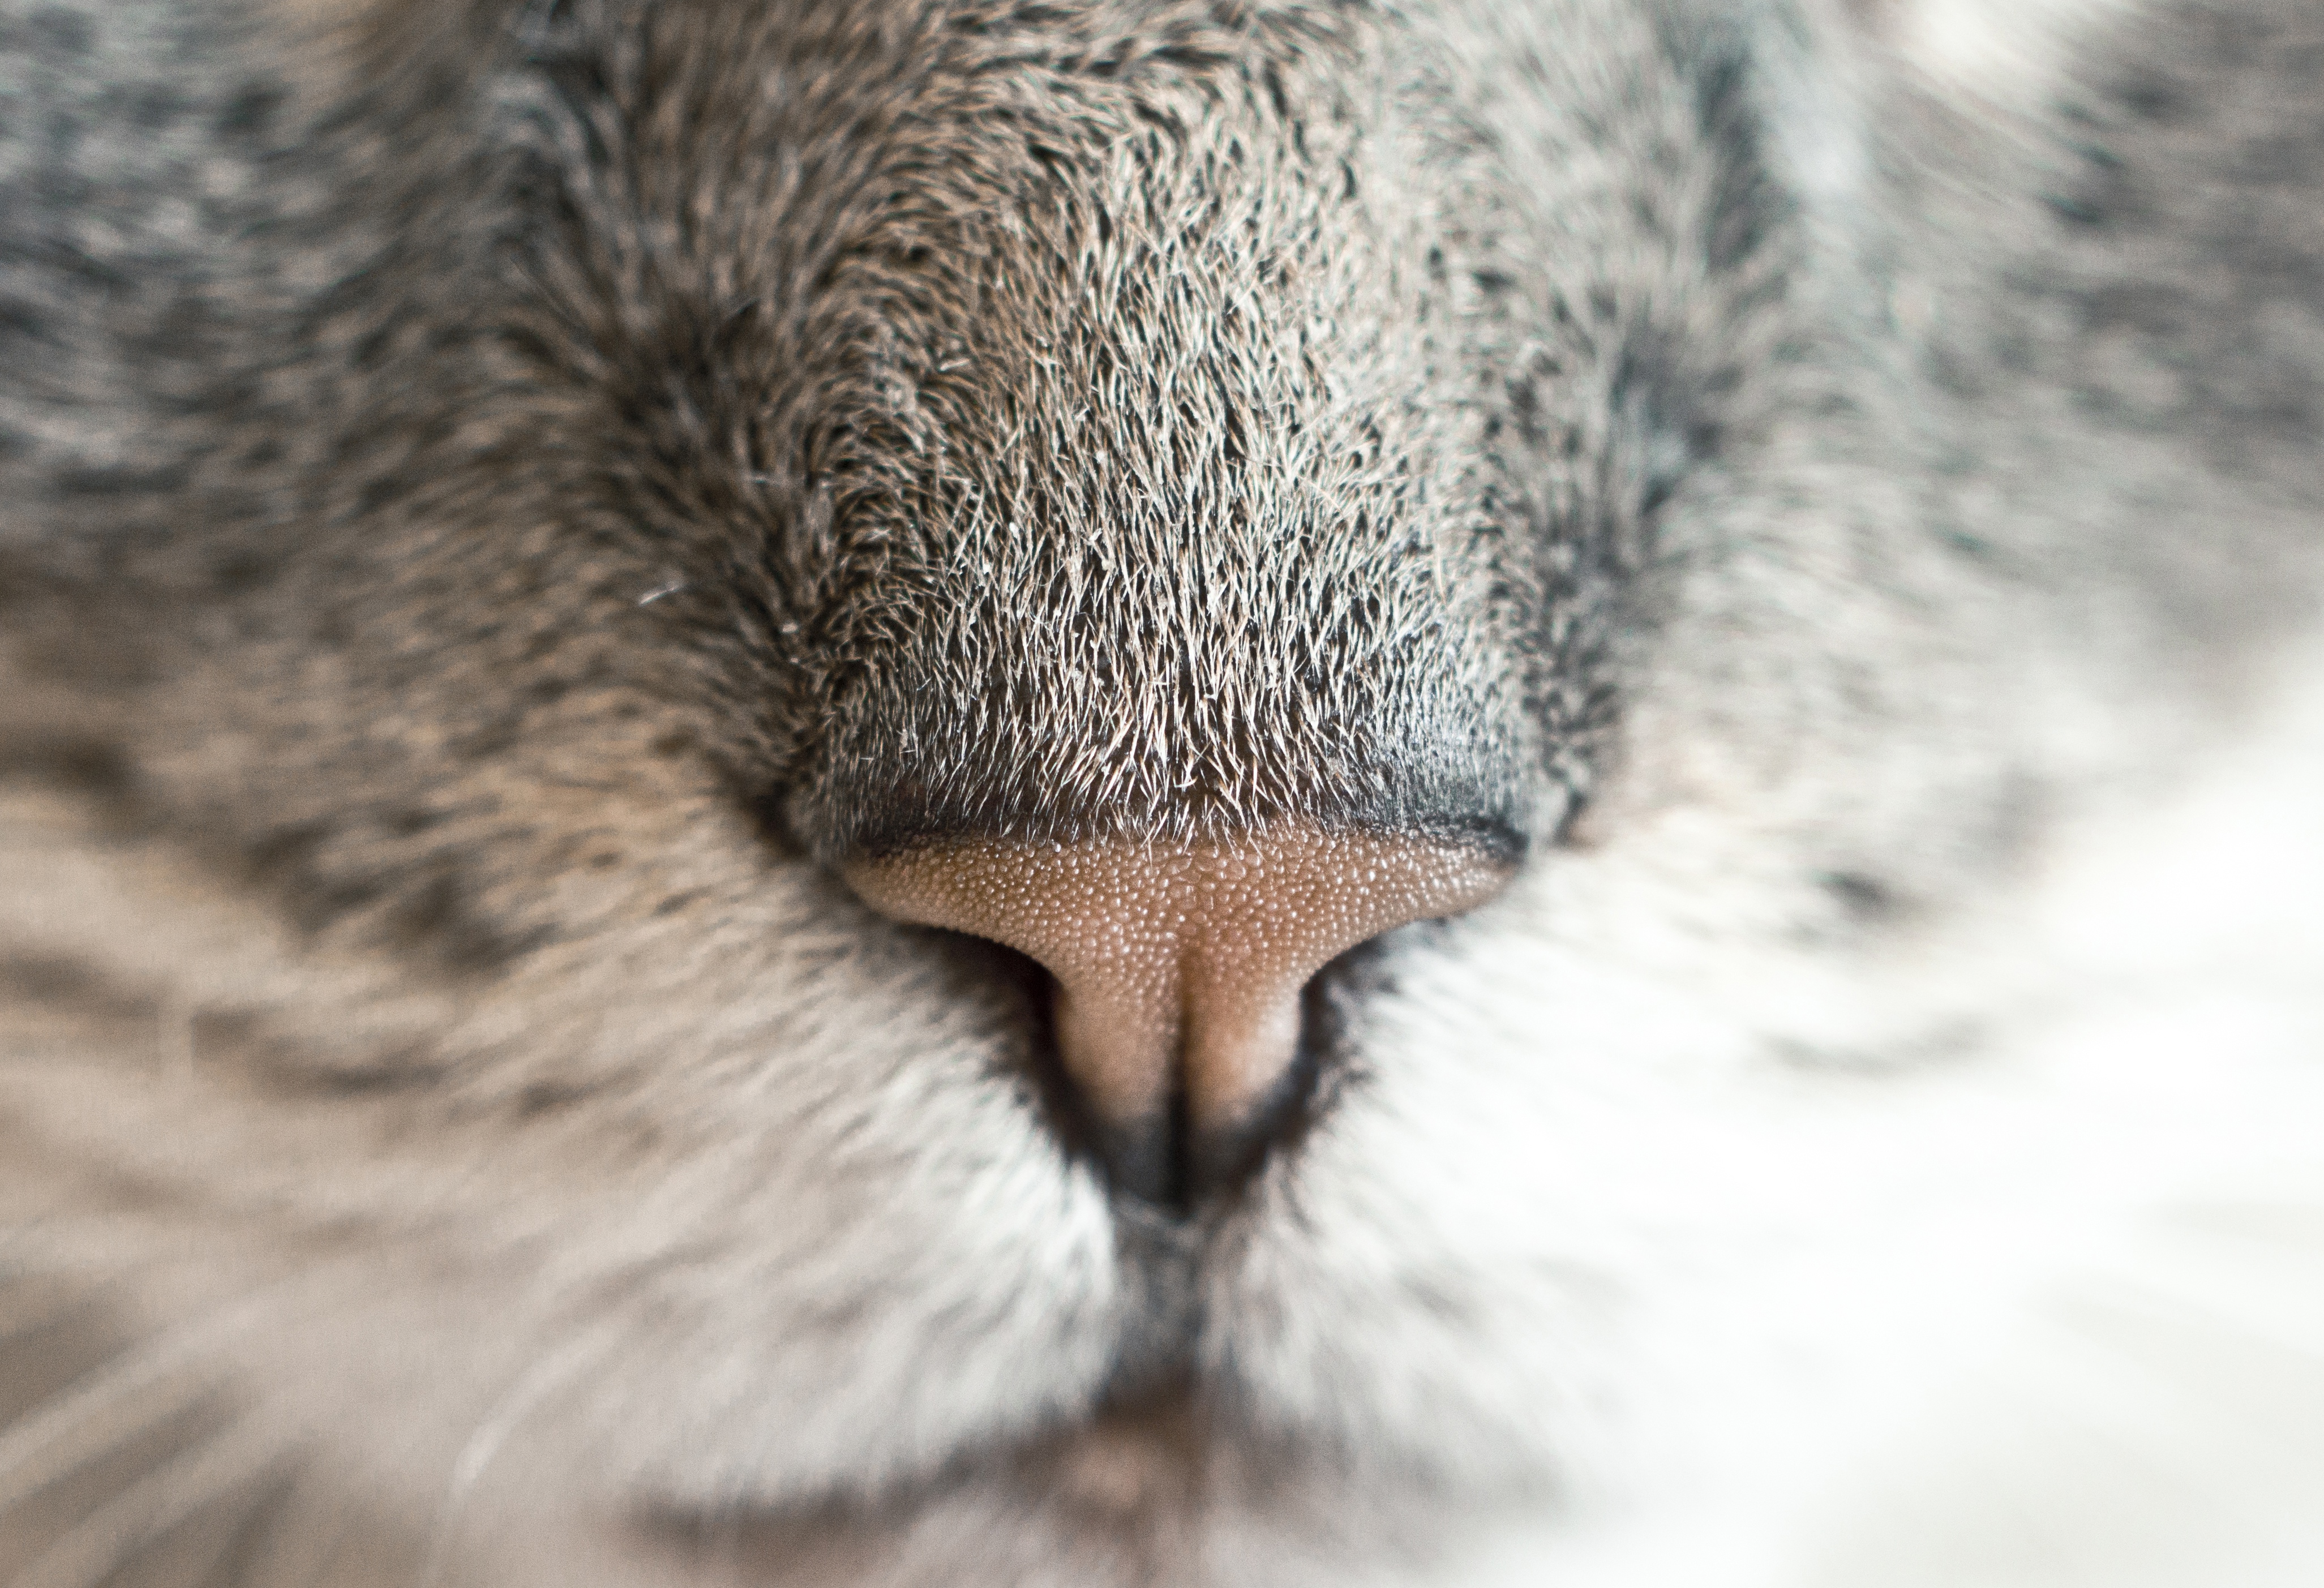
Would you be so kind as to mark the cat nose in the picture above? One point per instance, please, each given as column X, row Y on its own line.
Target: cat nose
column 1179, row 968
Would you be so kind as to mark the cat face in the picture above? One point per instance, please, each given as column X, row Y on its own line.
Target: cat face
column 632, row 472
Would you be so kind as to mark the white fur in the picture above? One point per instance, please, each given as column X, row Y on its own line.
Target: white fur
column 2044, row 1305
column 1996, row 49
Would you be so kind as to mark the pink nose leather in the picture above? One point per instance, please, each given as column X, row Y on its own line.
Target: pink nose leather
column 1179, row 966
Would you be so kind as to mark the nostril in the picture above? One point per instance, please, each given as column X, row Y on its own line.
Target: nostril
column 1064, row 1108
column 1211, row 1162
column 1181, row 993
column 1153, row 1159
column 1167, row 1161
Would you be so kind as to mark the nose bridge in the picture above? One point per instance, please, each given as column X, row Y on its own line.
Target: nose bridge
column 1180, row 965
column 1163, row 611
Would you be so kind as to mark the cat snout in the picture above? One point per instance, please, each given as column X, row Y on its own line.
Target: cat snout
column 1179, row 965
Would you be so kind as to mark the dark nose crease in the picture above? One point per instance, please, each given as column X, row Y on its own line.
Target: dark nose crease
column 1180, row 968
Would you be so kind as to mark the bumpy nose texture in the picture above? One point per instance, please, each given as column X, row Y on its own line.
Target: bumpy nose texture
column 1180, row 967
